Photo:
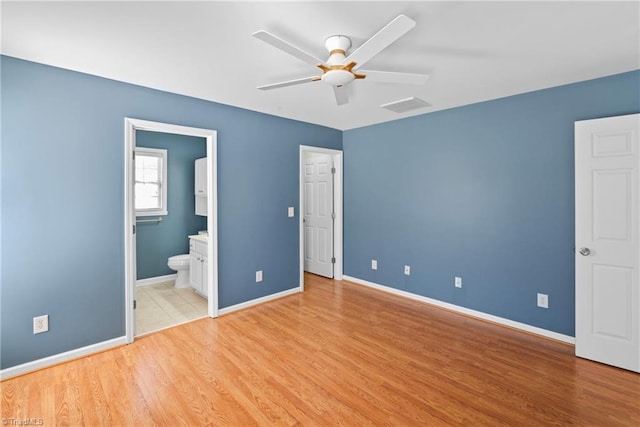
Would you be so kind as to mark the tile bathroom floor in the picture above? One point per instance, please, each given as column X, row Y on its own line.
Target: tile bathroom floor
column 162, row 305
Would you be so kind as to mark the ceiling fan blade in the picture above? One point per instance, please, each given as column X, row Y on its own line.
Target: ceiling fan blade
column 289, row 83
column 391, row 77
column 380, row 40
column 287, row 47
column 341, row 94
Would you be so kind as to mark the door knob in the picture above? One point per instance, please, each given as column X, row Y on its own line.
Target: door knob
column 585, row 251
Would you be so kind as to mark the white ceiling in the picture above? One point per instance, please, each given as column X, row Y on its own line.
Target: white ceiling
column 473, row 51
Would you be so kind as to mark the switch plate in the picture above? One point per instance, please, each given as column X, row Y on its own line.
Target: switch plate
column 457, row 282
column 259, row 276
column 374, row 264
column 543, row 300
column 407, row 270
column 290, row 212
column 40, row 324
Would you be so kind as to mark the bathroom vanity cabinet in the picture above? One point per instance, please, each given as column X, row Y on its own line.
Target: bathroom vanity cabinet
column 198, row 264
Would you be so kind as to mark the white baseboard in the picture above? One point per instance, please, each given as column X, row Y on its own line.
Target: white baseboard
column 154, row 280
column 469, row 312
column 60, row 358
column 257, row 301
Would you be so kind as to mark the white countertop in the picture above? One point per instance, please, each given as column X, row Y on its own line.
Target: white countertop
column 200, row 237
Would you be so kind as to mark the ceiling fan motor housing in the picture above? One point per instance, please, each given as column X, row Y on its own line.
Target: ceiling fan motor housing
column 337, row 47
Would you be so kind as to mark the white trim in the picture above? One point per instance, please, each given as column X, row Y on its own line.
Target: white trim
column 131, row 126
column 337, row 204
column 337, row 225
column 61, row 358
column 257, row 301
column 153, row 280
column 469, row 312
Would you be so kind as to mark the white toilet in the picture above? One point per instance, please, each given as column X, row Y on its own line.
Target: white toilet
column 180, row 263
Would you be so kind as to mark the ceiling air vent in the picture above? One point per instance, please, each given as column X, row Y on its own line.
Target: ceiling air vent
column 405, row 105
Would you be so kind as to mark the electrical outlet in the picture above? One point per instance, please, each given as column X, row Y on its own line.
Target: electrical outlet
column 259, row 276
column 543, row 300
column 290, row 212
column 40, row 324
column 407, row 270
column 374, row 264
column 457, row 282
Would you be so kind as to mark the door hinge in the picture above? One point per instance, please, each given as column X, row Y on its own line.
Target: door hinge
column 333, row 260
column 333, row 215
column 333, row 170
column 134, row 304
column 134, row 155
column 134, row 229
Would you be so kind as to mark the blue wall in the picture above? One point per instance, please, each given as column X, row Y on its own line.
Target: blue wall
column 63, row 201
column 485, row 192
column 156, row 242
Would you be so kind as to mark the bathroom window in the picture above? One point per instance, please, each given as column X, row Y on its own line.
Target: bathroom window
column 150, row 181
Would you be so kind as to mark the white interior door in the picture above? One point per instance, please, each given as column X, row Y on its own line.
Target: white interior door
column 607, row 241
column 318, row 214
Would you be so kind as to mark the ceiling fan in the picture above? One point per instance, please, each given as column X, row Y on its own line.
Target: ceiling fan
column 340, row 69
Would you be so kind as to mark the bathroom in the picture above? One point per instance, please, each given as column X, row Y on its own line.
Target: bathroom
column 166, row 201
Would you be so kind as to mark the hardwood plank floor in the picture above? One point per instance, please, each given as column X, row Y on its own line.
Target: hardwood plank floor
column 337, row 354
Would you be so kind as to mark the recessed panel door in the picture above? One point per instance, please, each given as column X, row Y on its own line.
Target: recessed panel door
column 607, row 241
column 318, row 215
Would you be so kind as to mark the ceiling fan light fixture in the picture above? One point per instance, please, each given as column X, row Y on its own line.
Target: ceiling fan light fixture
column 338, row 77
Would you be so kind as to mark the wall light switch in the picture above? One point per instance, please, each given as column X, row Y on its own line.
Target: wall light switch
column 259, row 276
column 290, row 212
column 457, row 282
column 543, row 300
column 374, row 264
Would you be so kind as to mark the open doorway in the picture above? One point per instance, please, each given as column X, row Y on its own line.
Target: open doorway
column 167, row 226
column 207, row 270
column 320, row 212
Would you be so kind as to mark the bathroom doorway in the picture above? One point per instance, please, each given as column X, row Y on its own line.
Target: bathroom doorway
column 155, row 232
column 165, row 168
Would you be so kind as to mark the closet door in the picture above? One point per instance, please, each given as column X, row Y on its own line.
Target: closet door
column 318, row 215
column 607, row 240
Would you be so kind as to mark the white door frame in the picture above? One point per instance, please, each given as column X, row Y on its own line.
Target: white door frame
column 337, row 206
column 131, row 126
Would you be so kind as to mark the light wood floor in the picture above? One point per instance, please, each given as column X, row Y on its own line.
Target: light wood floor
column 337, row 354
